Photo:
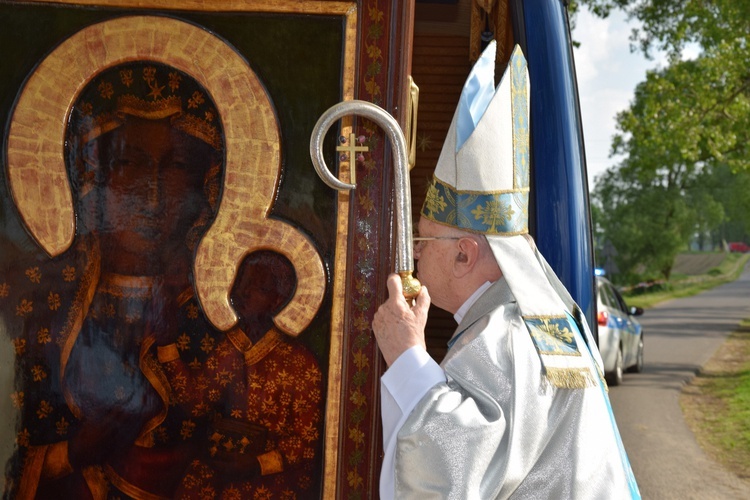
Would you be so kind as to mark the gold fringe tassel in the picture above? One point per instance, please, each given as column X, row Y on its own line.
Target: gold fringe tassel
column 570, row 378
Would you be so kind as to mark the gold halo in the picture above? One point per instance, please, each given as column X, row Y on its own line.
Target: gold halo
column 39, row 183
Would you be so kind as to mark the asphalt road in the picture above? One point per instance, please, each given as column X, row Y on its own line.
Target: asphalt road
column 680, row 336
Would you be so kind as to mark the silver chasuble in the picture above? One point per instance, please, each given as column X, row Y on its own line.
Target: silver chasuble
column 497, row 429
column 518, row 408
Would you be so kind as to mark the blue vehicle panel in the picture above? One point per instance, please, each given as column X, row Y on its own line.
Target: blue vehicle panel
column 560, row 218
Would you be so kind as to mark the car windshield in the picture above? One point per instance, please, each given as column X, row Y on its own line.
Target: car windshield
column 606, row 295
column 622, row 305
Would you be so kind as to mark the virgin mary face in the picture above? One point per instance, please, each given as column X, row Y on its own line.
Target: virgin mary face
column 142, row 139
column 150, row 194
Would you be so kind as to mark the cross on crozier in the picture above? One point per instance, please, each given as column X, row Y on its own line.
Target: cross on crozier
column 352, row 149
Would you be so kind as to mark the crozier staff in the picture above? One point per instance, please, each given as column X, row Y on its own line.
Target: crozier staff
column 518, row 408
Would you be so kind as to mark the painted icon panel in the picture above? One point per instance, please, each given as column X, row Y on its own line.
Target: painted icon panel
column 167, row 251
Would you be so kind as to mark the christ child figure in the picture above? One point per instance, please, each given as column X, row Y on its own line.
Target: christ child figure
column 263, row 390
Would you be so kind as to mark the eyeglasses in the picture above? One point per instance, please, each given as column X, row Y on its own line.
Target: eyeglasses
column 419, row 241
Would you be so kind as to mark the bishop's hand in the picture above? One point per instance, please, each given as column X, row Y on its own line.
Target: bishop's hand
column 397, row 325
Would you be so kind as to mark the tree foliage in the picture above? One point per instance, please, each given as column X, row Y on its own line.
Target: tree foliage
column 648, row 223
column 686, row 131
column 670, row 25
column 691, row 113
column 731, row 189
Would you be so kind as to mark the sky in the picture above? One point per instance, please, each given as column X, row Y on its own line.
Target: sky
column 607, row 76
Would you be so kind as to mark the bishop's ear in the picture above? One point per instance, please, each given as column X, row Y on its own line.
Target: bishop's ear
column 466, row 256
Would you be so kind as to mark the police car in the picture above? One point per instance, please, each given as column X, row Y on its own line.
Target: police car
column 620, row 333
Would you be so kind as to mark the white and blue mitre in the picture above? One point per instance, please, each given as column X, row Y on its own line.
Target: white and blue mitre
column 481, row 185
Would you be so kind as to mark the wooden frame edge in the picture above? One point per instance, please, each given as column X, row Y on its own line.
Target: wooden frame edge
column 338, row 308
column 278, row 6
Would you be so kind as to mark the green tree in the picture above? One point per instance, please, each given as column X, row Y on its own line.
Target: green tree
column 706, row 99
column 670, row 25
column 648, row 223
column 689, row 122
column 731, row 190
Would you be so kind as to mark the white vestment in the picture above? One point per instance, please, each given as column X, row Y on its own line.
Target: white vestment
column 487, row 424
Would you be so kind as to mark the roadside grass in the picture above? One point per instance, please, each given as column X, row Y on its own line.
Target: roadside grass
column 686, row 285
column 716, row 403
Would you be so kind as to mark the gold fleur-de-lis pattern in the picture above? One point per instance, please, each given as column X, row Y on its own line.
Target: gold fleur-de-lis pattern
column 557, row 340
column 503, row 213
column 271, row 397
column 37, row 299
column 279, row 387
column 553, row 336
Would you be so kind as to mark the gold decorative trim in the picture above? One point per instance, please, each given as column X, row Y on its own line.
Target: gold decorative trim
column 96, row 480
column 570, row 378
column 32, row 471
column 169, row 107
column 412, row 115
column 167, row 353
column 239, row 340
column 266, row 344
column 78, row 312
column 524, row 189
column 120, row 285
column 102, row 127
column 280, row 6
column 56, row 461
column 151, row 369
column 545, row 316
column 333, row 425
column 271, row 463
column 163, row 108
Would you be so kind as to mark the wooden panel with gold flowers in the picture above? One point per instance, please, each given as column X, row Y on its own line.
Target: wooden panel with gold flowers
column 184, row 306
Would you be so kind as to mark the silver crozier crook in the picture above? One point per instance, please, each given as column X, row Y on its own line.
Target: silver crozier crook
column 404, row 244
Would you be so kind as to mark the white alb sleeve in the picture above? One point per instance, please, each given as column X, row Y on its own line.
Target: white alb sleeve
column 402, row 386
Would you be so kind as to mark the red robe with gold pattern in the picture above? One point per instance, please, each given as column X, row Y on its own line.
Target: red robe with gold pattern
column 268, row 397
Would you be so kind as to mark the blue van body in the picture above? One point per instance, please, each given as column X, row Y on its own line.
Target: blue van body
column 560, row 217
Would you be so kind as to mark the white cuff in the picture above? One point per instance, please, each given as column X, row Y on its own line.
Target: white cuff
column 411, row 376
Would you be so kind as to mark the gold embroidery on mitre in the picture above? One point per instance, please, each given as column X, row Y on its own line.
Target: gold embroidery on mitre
column 433, row 201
